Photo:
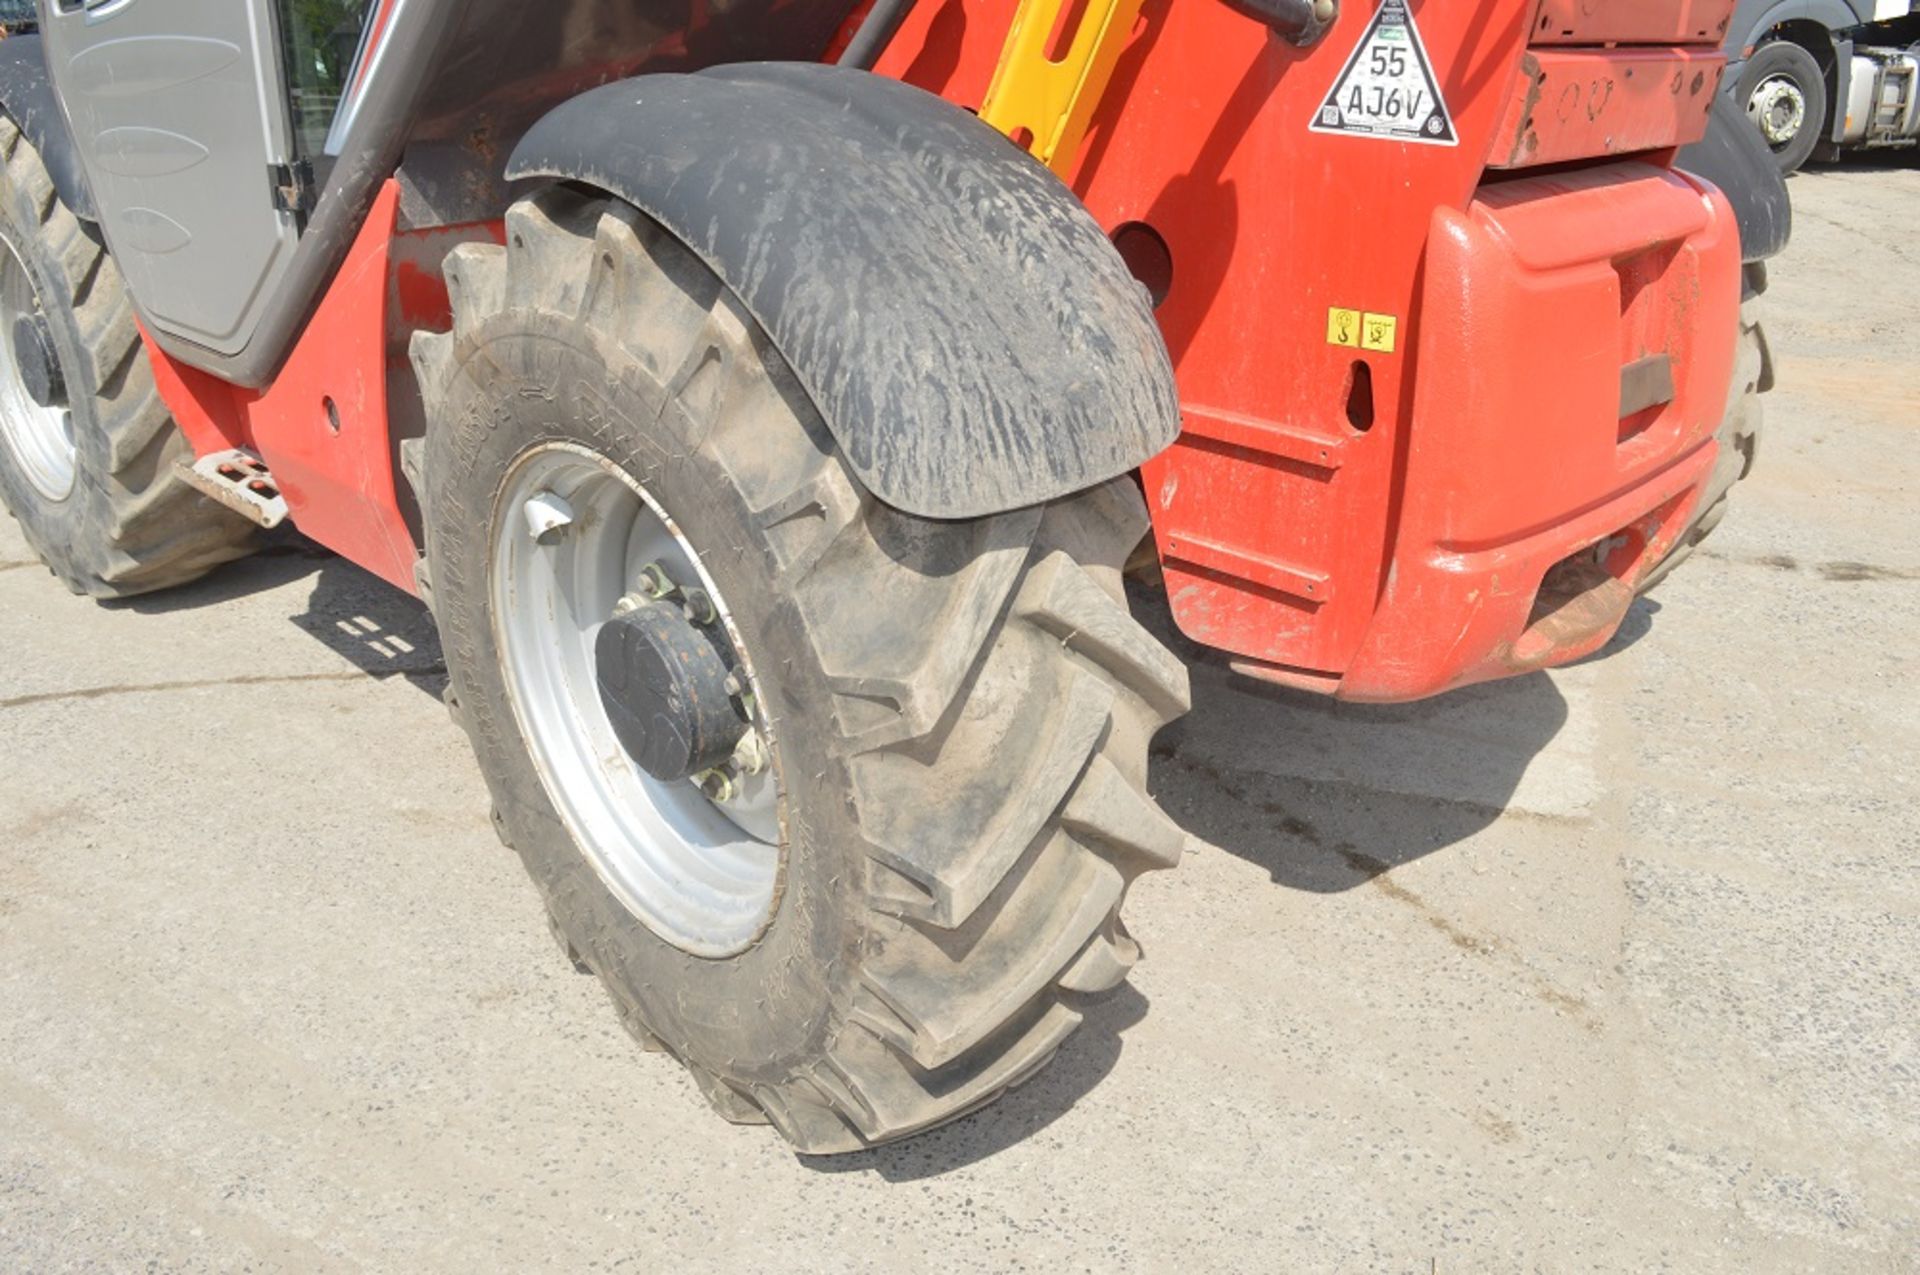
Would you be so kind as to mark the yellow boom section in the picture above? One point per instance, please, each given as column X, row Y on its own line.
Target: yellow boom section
column 1049, row 101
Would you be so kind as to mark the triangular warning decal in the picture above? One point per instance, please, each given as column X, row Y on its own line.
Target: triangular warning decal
column 1388, row 89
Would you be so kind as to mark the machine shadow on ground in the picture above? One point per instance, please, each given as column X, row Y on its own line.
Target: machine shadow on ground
column 1324, row 796
column 374, row 626
column 359, row 617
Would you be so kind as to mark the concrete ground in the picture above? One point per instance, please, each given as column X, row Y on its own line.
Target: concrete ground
column 1611, row 968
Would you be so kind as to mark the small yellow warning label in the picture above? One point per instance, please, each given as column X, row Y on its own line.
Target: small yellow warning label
column 1379, row 332
column 1343, row 327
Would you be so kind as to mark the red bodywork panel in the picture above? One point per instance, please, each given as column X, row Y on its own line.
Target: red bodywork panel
column 1574, row 104
column 1300, row 514
column 325, row 425
column 1419, row 449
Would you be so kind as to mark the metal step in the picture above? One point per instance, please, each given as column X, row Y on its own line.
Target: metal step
column 241, row 481
column 1892, row 104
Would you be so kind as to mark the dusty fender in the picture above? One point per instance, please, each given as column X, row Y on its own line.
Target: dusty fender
column 968, row 332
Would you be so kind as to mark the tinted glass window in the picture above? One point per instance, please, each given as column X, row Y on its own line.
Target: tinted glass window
column 319, row 38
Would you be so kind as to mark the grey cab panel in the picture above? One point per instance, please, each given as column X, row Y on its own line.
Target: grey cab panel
column 176, row 107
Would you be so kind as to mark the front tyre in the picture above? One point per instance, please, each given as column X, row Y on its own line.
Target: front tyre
column 88, row 452
column 876, row 912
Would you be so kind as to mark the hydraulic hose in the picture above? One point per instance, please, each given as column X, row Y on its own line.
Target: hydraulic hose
column 875, row 33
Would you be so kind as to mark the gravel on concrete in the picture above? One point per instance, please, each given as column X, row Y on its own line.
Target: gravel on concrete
column 1613, row 968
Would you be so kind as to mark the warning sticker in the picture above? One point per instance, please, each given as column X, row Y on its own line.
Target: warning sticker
column 1388, row 90
column 1379, row 332
column 1343, row 327
column 1360, row 330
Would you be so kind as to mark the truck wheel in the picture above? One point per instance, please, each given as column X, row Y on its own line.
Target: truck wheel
column 1739, row 433
column 87, row 449
column 1785, row 95
column 840, row 804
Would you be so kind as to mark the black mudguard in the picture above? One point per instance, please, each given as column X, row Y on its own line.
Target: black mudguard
column 1734, row 157
column 26, row 95
column 970, row 336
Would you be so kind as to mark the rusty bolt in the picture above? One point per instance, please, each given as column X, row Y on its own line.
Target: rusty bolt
column 698, row 605
column 654, row 582
column 717, row 784
column 750, row 754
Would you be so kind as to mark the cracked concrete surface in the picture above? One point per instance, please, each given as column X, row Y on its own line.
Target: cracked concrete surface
column 1609, row 968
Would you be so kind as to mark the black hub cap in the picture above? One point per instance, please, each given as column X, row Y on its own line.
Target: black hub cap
column 665, row 691
column 33, row 357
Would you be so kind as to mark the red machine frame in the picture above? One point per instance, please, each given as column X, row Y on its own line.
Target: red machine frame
column 1379, row 513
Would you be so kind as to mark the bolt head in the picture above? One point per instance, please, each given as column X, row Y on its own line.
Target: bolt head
column 750, row 754
column 699, row 608
column 717, row 784
column 653, row 582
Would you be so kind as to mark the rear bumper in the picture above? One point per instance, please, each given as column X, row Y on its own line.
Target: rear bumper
column 1576, row 349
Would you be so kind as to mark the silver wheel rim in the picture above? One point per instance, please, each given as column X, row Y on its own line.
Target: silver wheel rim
column 1779, row 108
column 702, row 874
column 40, row 439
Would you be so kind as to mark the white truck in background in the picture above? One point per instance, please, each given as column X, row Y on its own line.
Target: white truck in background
column 1819, row 77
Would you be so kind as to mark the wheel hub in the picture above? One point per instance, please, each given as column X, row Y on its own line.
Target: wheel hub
column 33, row 360
column 636, row 698
column 35, row 425
column 1779, row 108
column 665, row 689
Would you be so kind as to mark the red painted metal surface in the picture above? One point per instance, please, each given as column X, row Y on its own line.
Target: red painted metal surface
column 1633, row 22
column 1306, row 483
column 1519, row 465
column 325, row 425
column 1575, row 104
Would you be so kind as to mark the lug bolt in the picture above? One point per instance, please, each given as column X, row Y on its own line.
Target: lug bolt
column 629, row 604
column 750, row 754
column 654, row 582
column 717, row 784
column 698, row 606
column 548, row 518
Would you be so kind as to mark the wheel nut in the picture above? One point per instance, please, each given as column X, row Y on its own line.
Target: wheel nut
column 548, row 518
column 717, row 784
column 654, row 582
column 698, row 606
column 750, row 754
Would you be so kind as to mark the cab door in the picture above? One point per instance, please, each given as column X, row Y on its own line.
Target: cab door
column 179, row 110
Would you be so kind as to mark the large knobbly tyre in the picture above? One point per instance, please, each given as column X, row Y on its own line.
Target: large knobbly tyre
column 959, row 711
column 90, row 475
column 1739, row 433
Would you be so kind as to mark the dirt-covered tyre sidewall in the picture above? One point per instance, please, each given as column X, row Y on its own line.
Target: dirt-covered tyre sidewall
column 959, row 712
column 694, row 1005
column 1785, row 58
column 130, row 525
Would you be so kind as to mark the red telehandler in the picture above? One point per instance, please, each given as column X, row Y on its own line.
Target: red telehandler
column 769, row 400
